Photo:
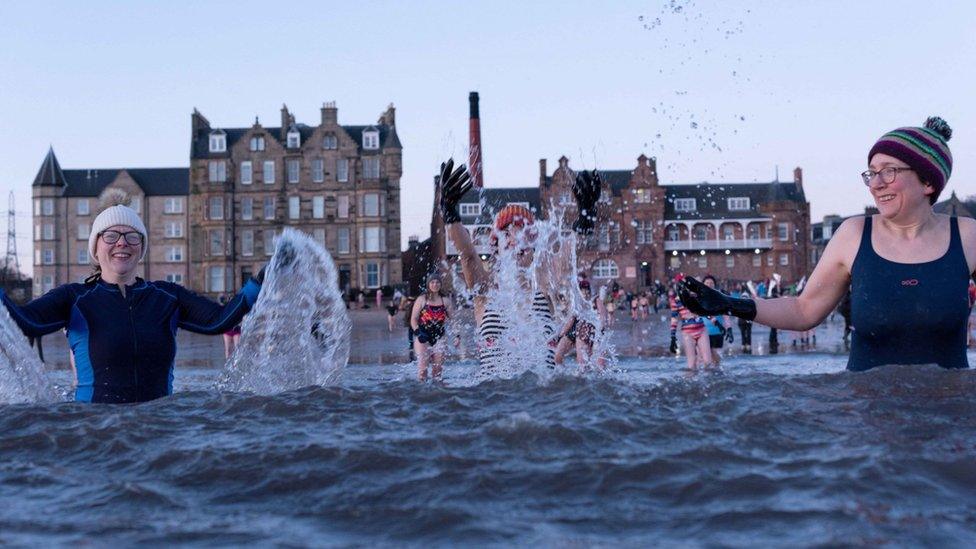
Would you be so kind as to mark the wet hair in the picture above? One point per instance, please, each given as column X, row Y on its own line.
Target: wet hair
column 430, row 278
column 708, row 276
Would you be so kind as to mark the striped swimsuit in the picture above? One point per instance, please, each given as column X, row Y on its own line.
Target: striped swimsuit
column 494, row 326
column 690, row 323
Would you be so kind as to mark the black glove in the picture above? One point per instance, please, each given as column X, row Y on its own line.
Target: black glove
column 454, row 183
column 729, row 336
column 705, row 301
column 587, row 192
column 674, row 345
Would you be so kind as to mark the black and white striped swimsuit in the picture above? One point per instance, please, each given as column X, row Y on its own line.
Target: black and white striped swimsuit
column 494, row 326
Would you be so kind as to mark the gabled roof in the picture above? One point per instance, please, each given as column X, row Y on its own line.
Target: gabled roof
column 953, row 206
column 711, row 199
column 495, row 199
column 152, row 181
column 50, row 172
column 200, row 145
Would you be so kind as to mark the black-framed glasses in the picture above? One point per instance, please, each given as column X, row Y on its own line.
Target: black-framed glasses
column 887, row 174
column 132, row 238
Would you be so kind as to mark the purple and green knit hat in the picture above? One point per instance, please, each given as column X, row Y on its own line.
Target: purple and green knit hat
column 925, row 150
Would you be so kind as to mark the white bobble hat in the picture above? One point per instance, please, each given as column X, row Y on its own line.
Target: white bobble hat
column 117, row 215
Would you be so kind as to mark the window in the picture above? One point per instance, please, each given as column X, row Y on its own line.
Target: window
column 173, row 205
column 371, row 167
column 604, row 237
column 37, row 256
column 371, row 205
column 269, row 207
column 319, row 236
column 372, row 239
column 216, row 207
column 728, row 232
column 269, row 172
column 645, row 232
column 293, row 165
column 471, row 209
column 294, row 207
column 257, row 143
column 136, row 204
column 738, row 203
column 673, row 232
column 83, row 231
column 247, row 208
column 218, row 171
column 342, row 170
column 83, row 208
column 371, row 139
column 769, row 259
column 642, row 196
column 47, row 206
column 754, row 232
column 783, row 231
column 318, row 170
column 700, row 232
column 247, row 242
column 685, row 205
column 318, row 207
column 47, row 283
column 83, row 257
column 730, row 261
column 48, row 229
column 329, row 141
column 218, row 141
column 47, row 257
column 215, row 279
column 372, row 275
column 756, row 260
column 294, row 139
column 605, row 268
column 174, row 253
column 217, row 242
column 247, row 173
column 342, row 206
column 675, row 262
column 175, row 278
column 174, row 229
column 343, row 240
column 784, row 259
column 269, row 237
column 702, row 262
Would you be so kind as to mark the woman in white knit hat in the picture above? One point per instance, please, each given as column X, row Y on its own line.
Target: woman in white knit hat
column 121, row 328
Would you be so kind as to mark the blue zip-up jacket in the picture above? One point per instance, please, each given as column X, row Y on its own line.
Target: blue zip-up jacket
column 125, row 347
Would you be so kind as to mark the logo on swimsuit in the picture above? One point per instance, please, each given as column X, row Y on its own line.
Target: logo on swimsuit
column 910, row 282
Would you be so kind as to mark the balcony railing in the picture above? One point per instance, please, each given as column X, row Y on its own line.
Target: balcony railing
column 719, row 244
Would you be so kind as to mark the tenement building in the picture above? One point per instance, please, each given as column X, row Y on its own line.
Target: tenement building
column 214, row 225
column 67, row 201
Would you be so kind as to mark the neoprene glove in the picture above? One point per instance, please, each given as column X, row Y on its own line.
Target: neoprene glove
column 729, row 337
column 454, row 183
column 705, row 301
column 587, row 192
column 673, row 348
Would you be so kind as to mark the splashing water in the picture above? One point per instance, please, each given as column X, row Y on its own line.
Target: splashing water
column 22, row 375
column 298, row 332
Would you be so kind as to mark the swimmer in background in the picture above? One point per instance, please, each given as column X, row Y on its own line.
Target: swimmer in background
column 694, row 339
column 391, row 313
column 429, row 322
column 719, row 328
column 579, row 333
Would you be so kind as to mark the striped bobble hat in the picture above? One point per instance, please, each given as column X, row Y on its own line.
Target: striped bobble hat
column 513, row 213
column 925, row 150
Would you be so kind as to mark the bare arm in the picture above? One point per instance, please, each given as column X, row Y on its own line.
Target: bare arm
column 418, row 306
column 826, row 287
column 471, row 267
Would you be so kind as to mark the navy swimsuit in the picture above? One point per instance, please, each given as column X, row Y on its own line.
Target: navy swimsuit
column 125, row 347
column 909, row 313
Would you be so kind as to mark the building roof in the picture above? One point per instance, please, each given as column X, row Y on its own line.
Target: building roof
column 152, row 181
column 50, row 172
column 711, row 199
column 200, row 145
column 953, row 206
column 495, row 199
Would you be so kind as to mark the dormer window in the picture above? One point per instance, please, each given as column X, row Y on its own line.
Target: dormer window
column 685, row 205
column 294, row 139
column 218, row 141
column 371, row 140
column 257, row 143
column 330, row 142
column 739, row 203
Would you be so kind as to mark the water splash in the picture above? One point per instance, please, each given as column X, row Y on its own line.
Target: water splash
column 298, row 332
column 22, row 375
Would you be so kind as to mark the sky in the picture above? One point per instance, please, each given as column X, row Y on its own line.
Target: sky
column 723, row 92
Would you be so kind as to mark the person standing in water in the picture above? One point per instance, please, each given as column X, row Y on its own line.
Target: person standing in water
column 908, row 267
column 694, row 338
column 719, row 328
column 745, row 326
column 429, row 322
column 121, row 328
column 512, row 232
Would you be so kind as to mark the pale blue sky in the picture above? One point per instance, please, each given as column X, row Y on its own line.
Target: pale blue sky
column 811, row 84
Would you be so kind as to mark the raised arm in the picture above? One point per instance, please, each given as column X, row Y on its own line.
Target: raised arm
column 453, row 184
column 201, row 315
column 44, row 315
column 559, row 258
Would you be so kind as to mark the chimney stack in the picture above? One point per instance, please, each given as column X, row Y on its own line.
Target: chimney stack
column 542, row 171
column 798, row 178
column 474, row 142
column 330, row 114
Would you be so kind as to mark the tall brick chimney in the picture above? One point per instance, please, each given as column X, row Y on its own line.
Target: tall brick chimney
column 798, row 178
column 474, row 142
column 330, row 114
column 542, row 172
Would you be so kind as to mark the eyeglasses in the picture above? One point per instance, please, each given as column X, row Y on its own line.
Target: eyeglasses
column 887, row 174
column 132, row 238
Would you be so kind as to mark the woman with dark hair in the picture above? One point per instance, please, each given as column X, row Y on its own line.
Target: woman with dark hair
column 908, row 267
column 428, row 319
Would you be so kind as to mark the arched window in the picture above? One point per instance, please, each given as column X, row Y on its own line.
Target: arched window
column 605, row 268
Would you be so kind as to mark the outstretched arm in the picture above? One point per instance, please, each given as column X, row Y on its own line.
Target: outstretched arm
column 44, row 315
column 203, row 316
column 453, row 184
